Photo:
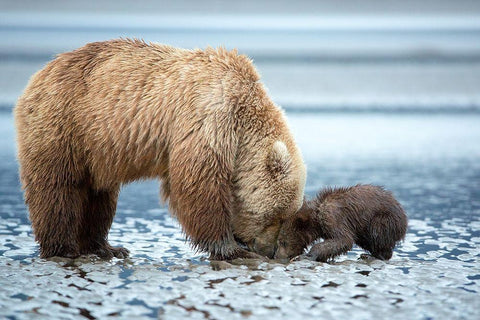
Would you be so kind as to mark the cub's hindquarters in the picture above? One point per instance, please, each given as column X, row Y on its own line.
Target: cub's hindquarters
column 382, row 234
column 363, row 214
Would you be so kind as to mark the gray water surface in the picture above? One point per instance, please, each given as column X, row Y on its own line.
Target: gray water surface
column 434, row 273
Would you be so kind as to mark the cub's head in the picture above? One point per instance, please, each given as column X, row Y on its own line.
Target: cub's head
column 269, row 187
column 295, row 233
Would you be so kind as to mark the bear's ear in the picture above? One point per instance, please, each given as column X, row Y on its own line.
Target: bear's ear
column 279, row 160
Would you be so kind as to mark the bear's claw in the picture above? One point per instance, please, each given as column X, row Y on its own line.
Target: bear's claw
column 108, row 252
column 239, row 254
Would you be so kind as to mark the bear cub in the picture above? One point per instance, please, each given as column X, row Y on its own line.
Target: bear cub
column 366, row 215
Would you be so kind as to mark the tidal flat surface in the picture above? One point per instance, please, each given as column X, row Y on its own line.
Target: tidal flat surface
column 430, row 162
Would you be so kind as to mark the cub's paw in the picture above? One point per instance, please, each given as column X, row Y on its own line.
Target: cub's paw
column 316, row 257
column 367, row 257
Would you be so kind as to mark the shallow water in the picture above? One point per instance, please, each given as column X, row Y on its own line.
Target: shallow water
column 429, row 162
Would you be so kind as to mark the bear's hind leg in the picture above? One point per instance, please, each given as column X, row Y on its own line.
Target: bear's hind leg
column 55, row 213
column 96, row 223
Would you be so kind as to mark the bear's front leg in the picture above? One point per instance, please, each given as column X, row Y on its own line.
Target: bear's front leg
column 200, row 190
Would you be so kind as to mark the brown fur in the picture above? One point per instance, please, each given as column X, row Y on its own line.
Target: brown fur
column 363, row 214
column 117, row 111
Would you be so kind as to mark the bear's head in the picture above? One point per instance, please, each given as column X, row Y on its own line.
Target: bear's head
column 269, row 187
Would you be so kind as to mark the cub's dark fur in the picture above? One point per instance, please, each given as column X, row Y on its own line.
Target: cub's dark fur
column 366, row 215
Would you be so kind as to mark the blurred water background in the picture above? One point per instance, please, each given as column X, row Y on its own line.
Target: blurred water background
column 382, row 92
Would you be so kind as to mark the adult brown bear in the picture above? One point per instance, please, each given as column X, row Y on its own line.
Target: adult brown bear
column 117, row 111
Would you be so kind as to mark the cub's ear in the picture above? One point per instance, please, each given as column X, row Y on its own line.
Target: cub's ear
column 279, row 160
column 302, row 219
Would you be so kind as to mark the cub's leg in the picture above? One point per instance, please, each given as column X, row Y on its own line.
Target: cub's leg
column 384, row 232
column 96, row 222
column 383, row 254
column 329, row 249
column 56, row 212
